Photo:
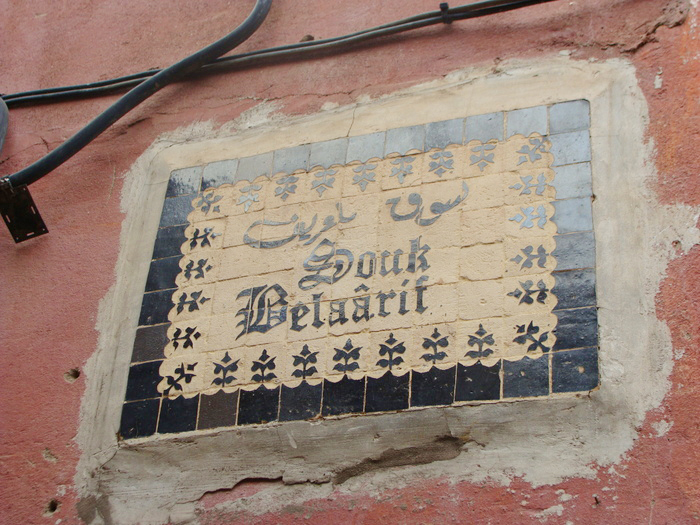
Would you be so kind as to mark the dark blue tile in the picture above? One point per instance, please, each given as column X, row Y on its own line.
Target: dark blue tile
column 434, row 387
column 184, row 182
column 573, row 181
column 300, row 402
column 258, row 406
column 169, row 241
column 570, row 148
column 143, row 381
column 218, row 410
column 289, row 160
column 526, row 377
column 178, row 415
column 576, row 328
column 176, row 210
column 484, row 127
column 573, row 215
column 149, row 343
column 250, row 168
column 366, row 147
column 403, row 140
column 343, row 397
column 575, row 251
column 162, row 273
column 155, row 307
column 139, row 418
column 574, row 289
column 575, row 370
column 328, row 153
column 218, row 173
column 527, row 121
column 478, row 382
column 442, row 134
column 569, row 116
column 386, row 393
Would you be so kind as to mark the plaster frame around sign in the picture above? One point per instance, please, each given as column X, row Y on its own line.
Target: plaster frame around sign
column 529, row 438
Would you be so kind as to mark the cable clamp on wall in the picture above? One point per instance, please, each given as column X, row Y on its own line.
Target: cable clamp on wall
column 445, row 10
column 19, row 211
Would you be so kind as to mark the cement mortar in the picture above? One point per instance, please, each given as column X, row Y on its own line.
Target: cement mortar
column 156, row 480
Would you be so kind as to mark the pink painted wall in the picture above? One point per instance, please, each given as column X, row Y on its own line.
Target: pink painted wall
column 51, row 286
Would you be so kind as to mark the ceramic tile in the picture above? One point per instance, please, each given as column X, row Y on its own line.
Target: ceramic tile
column 178, row 415
column 418, row 266
column 569, row 116
column 527, row 121
column 526, row 377
column 139, row 418
column 484, row 128
column 184, row 182
column 150, row 342
column 575, row 370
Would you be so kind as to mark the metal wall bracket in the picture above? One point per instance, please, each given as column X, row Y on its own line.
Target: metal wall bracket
column 20, row 213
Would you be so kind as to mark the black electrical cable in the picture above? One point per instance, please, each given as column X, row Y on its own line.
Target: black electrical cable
column 286, row 52
column 137, row 95
column 4, row 116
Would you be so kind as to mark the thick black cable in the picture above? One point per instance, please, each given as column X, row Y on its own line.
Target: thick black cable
column 286, row 52
column 137, row 95
column 4, row 117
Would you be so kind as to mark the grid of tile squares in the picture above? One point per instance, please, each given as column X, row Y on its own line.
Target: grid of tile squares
column 571, row 366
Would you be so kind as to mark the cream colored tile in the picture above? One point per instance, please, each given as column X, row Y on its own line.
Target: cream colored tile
column 188, row 337
column 483, row 159
column 441, row 305
column 192, row 303
column 528, row 294
column 529, row 256
column 361, row 179
column 436, row 345
column 484, row 226
column 390, row 350
column 198, row 268
column 482, row 262
column 484, row 340
column 402, row 172
column 480, row 299
column 342, row 353
column 530, row 335
column 531, row 220
column 242, row 230
column 526, row 186
column 204, row 236
column 487, row 191
column 520, row 152
column 183, row 376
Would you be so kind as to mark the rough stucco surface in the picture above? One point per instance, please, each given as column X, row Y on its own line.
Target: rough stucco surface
column 53, row 285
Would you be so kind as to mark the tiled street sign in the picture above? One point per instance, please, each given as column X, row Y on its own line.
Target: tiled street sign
column 442, row 264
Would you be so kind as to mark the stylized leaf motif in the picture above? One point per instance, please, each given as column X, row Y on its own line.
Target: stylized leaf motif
column 435, row 341
column 443, row 162
column 526, row 296
column 304, row 359
column 391, row 347
column 183, row 374
column 347, row 353
column 225, row 369
column 403, row 168
column 264, row 362
column 207, row 200
column 480, row 339
column 529, row 334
